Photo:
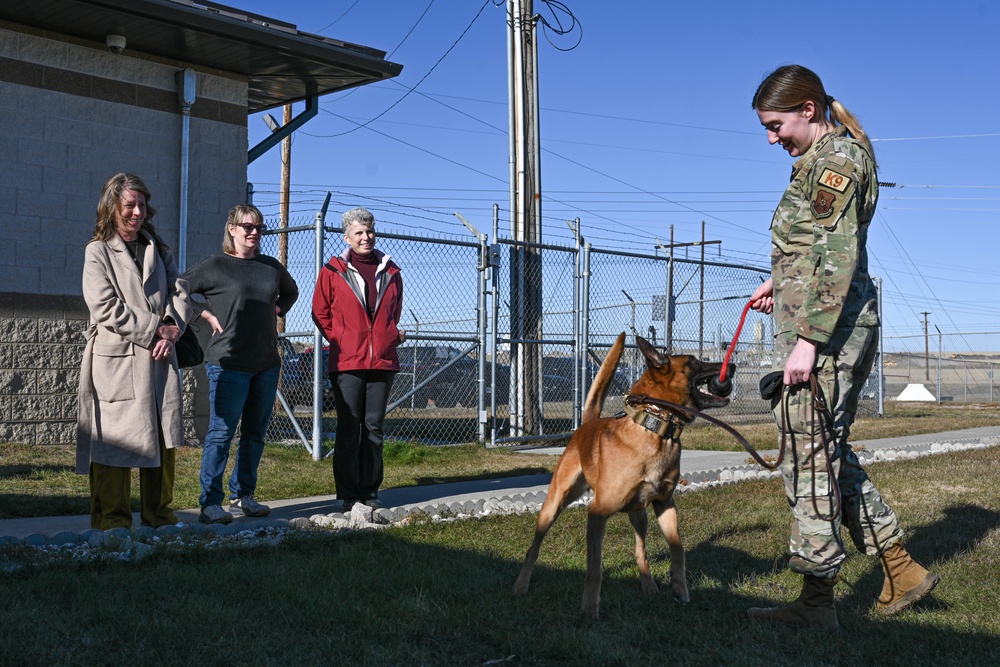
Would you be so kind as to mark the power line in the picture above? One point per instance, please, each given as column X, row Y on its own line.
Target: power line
column 405, row 95
column 951, row 136
column 336, row 20
column 921, row 277
column 410, row 32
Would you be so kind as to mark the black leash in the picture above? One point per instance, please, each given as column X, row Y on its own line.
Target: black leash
column 638, row 399
column 818, row 405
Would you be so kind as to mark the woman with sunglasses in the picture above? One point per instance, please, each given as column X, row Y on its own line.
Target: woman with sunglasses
column 245, row 294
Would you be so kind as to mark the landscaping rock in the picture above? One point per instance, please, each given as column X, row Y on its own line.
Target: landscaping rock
column 145, row 532
column 36, row 540
column 64, row 538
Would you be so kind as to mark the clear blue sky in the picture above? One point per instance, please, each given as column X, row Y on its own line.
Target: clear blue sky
column 646, row 123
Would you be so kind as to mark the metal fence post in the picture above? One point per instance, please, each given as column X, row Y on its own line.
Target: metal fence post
column 578, row 359
column 585, row 320
column 881, row 350
column 317, row 433
column 940, row 352
column 668, row 326
column 483, row 322
column 481, row 273
column 494, row 324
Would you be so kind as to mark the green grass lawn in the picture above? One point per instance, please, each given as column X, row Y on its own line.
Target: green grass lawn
column 39, row 481
column 440, row 594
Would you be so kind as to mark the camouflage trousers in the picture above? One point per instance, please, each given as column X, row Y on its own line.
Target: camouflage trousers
column 811, row 470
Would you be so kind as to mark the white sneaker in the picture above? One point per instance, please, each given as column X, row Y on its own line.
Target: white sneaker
column 248, row 506
column 214, row 514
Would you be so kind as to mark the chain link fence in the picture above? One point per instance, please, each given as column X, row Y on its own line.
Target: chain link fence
column 504, row 337
column 934, row 363
column 435, row 394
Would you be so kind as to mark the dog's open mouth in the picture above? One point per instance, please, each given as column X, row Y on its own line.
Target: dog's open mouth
column 701, row 383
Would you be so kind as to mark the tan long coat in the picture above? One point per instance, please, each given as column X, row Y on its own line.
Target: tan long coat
column 127, row 398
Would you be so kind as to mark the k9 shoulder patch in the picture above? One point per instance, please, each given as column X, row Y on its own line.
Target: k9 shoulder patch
column 822, row 206
column 831, row 179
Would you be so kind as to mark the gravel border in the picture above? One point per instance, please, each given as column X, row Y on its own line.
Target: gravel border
column 122, row 544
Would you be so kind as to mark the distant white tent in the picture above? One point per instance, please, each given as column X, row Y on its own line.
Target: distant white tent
column 916, row 392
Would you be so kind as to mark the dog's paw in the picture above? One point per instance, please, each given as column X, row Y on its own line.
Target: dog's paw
column 678, row 586
column 590, row 605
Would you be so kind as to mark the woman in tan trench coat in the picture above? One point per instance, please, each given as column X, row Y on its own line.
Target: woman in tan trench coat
column 130, row 396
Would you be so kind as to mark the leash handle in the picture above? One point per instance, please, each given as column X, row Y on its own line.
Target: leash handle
column 732, row 346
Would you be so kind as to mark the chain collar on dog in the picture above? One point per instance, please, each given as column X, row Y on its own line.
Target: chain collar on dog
column 651, row 418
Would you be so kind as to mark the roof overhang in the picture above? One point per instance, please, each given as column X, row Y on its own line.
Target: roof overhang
column 282, row 63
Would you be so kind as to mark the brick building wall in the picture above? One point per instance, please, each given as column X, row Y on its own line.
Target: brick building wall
column 73, row 115
column 39, row 367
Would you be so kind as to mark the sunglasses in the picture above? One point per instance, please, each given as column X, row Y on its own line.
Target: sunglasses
column 248, row 228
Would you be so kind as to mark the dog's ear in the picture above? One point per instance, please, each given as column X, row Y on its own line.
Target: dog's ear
column 654, row 359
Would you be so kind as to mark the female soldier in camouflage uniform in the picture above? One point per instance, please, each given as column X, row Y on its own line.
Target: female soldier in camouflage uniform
column 825, row 309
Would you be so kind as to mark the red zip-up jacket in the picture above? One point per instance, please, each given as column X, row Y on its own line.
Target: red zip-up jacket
column 340, row 311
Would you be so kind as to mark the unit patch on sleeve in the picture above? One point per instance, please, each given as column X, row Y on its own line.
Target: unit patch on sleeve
column 831, row 179
column 822, row 206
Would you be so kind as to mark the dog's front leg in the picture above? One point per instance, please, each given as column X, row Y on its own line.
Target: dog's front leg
column 567, row 485
column 640, row 521
column 666, row 516
column 596, row 524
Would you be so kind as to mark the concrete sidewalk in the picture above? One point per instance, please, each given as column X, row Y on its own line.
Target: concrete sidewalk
column 702, row 465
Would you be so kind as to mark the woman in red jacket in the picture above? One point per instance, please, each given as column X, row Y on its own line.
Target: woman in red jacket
column 357, row 303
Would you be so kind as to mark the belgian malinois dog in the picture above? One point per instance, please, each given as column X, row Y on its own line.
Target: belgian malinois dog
column 630, row 461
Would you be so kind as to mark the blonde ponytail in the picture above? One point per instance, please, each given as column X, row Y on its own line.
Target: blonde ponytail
column 841, row 116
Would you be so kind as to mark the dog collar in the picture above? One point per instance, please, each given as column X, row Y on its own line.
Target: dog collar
column 651, row 419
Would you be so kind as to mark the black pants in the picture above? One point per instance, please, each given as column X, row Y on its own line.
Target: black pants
column 361, row 398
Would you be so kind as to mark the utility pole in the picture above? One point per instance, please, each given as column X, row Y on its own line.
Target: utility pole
column 670, row 287
column 525, row 218
column 283, row 196
column 927, row 350
column 701, row 298
column 286, row 180
column 286, row 177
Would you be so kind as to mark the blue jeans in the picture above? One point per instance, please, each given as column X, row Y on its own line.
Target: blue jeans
column 234, row 395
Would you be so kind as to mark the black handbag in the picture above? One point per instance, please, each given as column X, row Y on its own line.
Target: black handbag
column 187, row 347
column 189, row 352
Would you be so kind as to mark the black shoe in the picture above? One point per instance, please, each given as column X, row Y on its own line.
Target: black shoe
column 373, row 503
column 349, row 505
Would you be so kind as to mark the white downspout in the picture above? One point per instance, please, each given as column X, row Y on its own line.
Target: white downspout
column 186, row 96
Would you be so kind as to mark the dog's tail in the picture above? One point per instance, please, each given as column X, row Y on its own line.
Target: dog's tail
column 599, row 389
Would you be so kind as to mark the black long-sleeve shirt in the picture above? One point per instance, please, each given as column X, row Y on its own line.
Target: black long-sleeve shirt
column 242, row 293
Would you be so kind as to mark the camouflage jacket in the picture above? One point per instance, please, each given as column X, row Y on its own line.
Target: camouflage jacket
column 819, row 261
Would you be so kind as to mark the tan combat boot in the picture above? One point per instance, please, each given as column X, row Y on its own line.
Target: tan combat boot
column 813, row 608
column 905, row 580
